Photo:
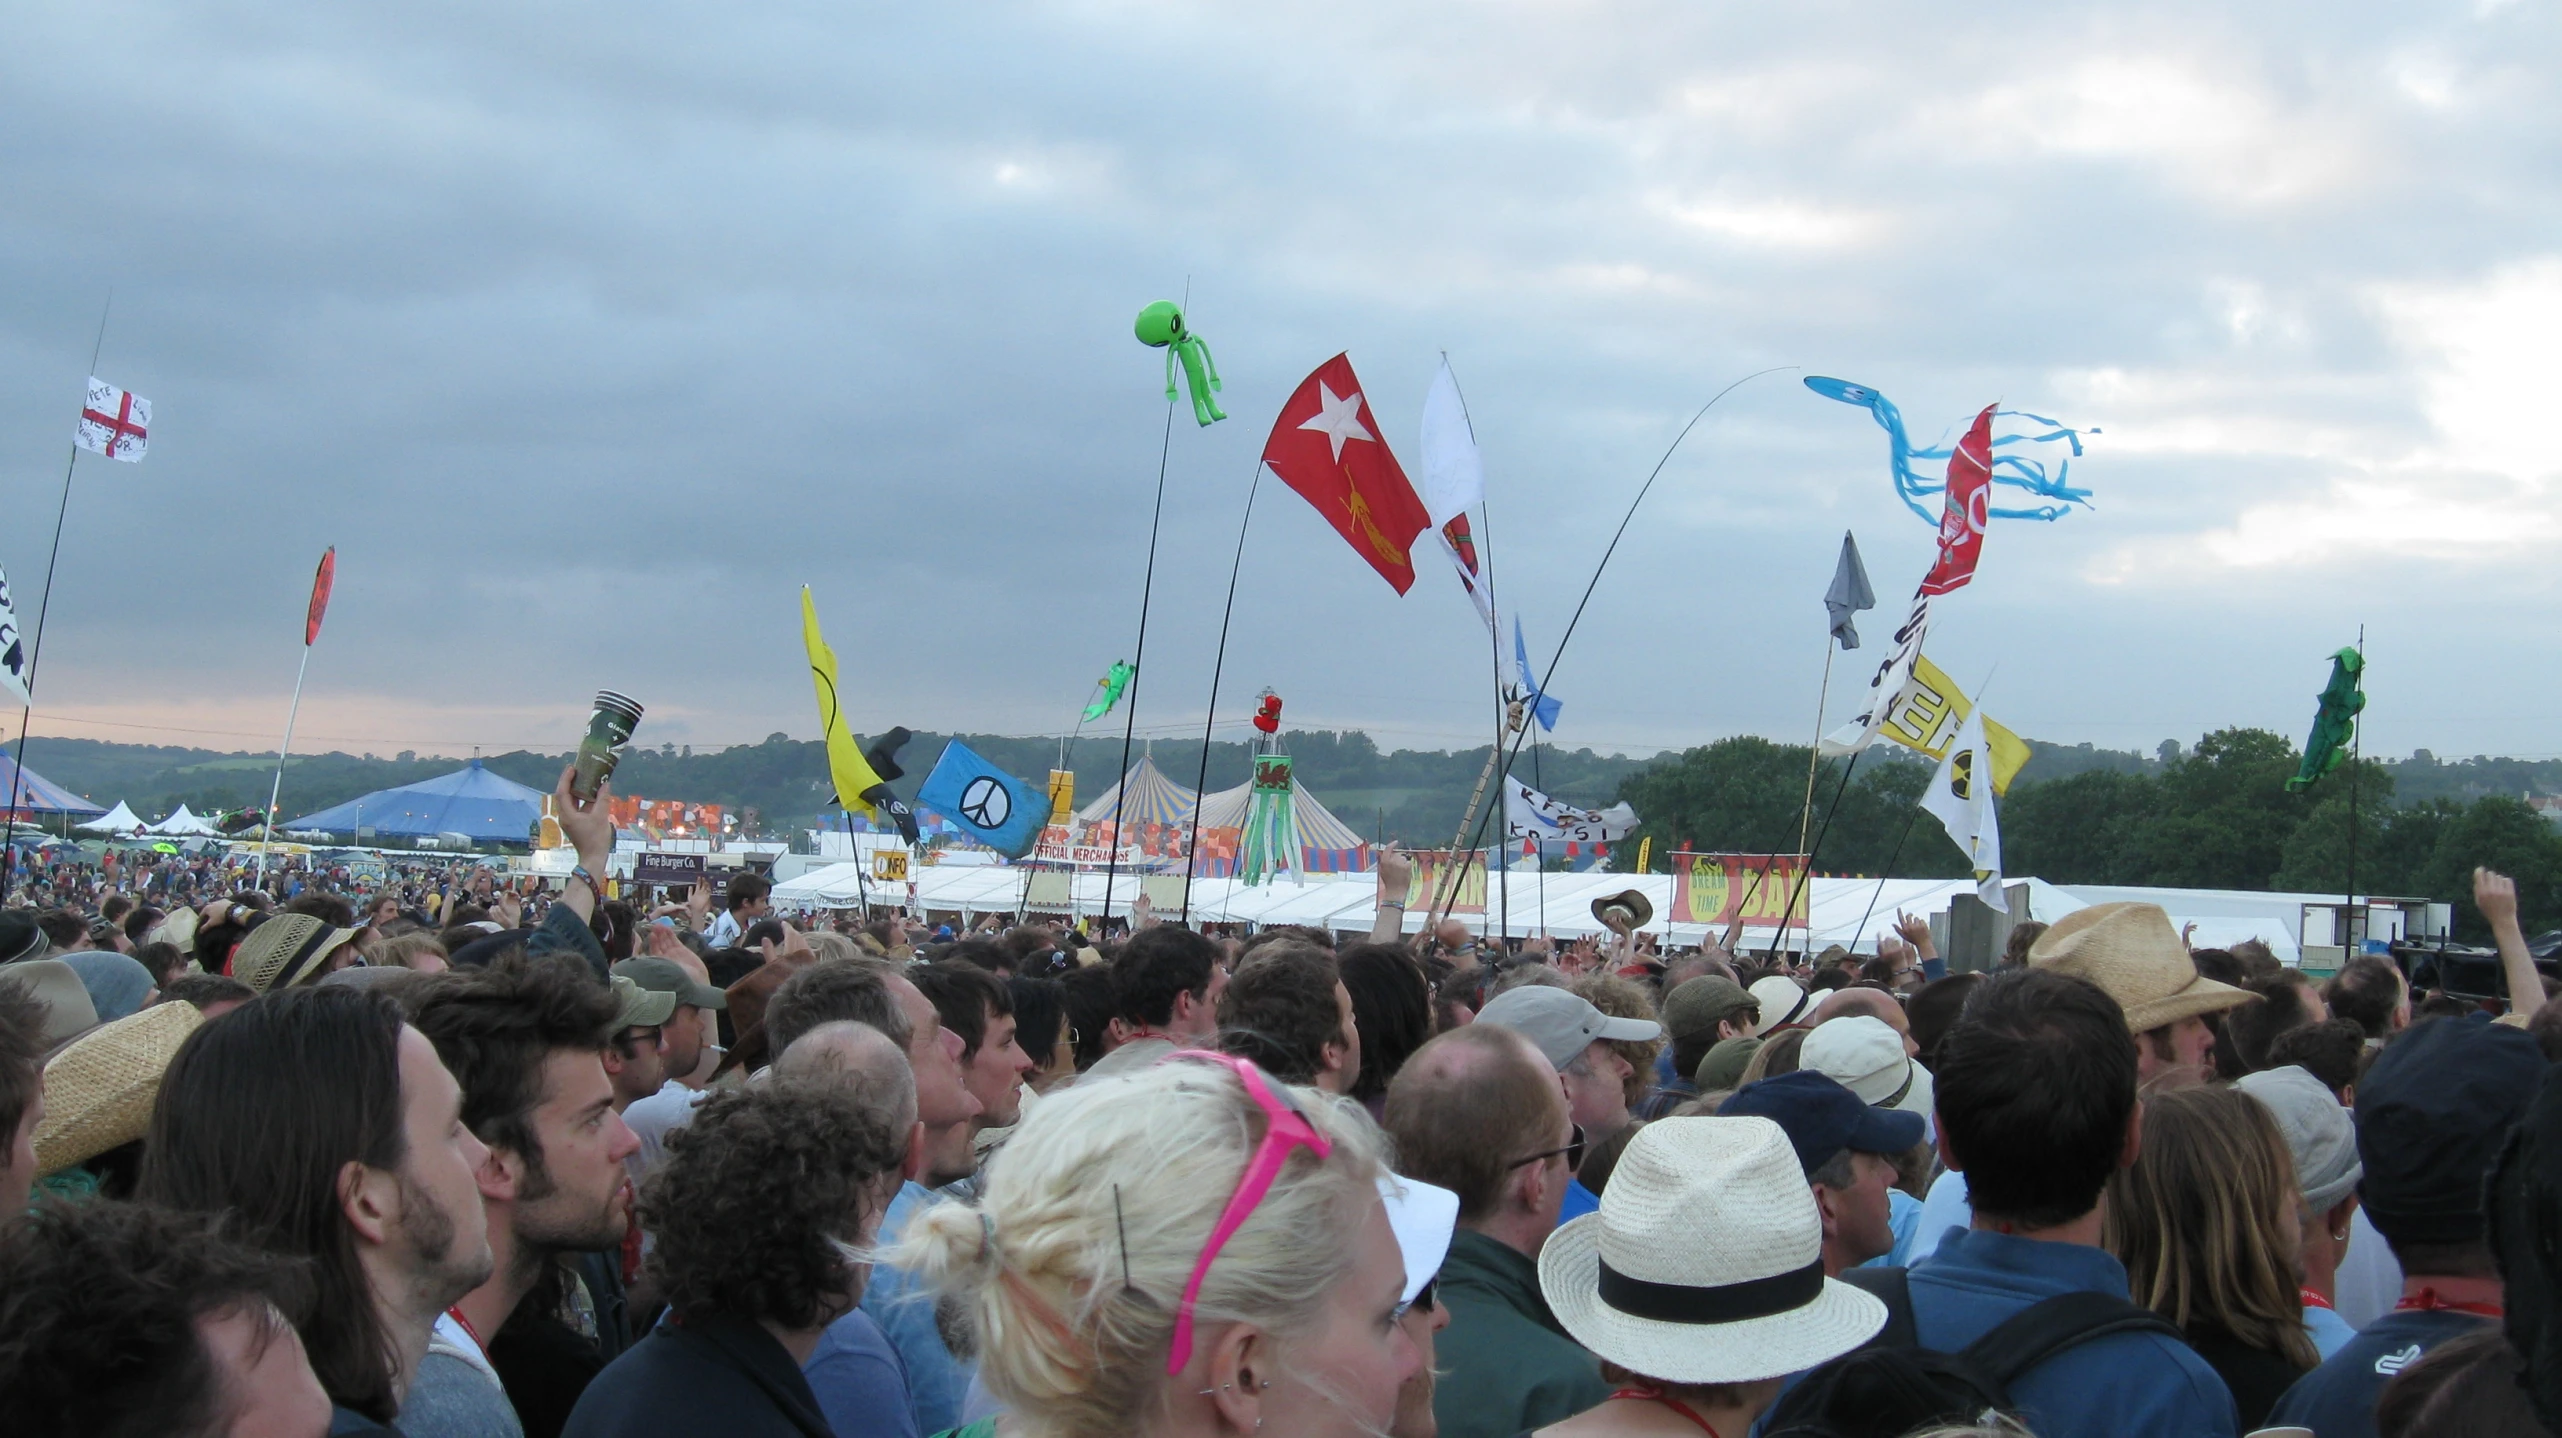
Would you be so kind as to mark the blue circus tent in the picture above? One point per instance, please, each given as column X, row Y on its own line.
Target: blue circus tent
column 36, row 794
column 470, row 800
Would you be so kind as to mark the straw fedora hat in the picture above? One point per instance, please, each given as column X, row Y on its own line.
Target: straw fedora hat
column 1705, row 1262
column 98, row 1092
column 2131, row 951
column 1639, row 909
column 286, row 950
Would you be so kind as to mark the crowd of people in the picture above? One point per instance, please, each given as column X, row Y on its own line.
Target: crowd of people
column 451, row 1165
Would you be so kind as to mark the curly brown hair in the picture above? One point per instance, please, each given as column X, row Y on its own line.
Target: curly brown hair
column 754, row 1195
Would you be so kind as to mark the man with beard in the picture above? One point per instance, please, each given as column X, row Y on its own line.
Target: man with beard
column 326, row 1128
column 527, row 1041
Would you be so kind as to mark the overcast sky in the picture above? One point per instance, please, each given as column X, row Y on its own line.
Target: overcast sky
column 589, row 333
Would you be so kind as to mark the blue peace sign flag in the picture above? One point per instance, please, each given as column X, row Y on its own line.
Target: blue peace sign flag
column 988, row 805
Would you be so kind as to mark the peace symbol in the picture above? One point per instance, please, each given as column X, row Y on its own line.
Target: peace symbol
column 986, row 804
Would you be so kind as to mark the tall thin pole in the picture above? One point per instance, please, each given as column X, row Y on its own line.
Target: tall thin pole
column 35, row 645
column 2357, row 735
column 1558, row 655
column 267, row 830
column 1814, row 756
column 1138, row 662
column 1210, row 715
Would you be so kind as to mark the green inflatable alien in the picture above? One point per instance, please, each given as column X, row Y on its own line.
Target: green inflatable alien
column 1161, row 326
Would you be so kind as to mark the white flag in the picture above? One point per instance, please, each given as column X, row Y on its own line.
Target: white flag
column 1960, row 797
column 113, row 422
column 1454, row 482
column 1529, row 814
column 1454, row 474
column 13, row 648
column 1886, row 689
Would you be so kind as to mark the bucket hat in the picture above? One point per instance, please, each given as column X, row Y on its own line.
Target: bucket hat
column 1637, row 1284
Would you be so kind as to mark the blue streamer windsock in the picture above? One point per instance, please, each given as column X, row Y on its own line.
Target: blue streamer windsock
column 2018, row 470
column 1542, row 705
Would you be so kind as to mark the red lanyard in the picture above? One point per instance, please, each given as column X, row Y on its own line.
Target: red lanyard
column 1675, row 1404
column 2310, row 1299
column 2427, row 1301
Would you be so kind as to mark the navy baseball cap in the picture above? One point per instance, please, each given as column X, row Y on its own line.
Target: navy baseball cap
column 2432, row 1114
column 1821, row 1118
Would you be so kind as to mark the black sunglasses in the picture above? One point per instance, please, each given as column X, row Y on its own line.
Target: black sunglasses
column 1422, row 1298
column 1573, row 1151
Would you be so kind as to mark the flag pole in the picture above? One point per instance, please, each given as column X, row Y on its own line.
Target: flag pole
column 35, row 645
column 2357, row 737
column 1823, row 692
column 1138, row 660
column 1218, row 667
column 1621, row 533
column 267, row 830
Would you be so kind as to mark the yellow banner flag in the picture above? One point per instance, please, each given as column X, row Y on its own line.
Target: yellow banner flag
column 852, row 774
column 1925, row 717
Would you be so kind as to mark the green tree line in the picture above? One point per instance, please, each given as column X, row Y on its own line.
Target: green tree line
column 2218, row 816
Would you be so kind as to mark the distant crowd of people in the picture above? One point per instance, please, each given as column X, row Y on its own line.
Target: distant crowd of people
column 435, row 1161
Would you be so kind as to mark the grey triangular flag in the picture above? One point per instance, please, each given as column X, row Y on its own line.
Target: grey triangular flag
column 1850, row 593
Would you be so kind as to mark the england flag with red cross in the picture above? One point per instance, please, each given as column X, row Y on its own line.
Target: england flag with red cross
column 114, row 422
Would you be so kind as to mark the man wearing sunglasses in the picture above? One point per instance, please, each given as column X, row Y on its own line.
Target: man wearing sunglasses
column 1479, row 1111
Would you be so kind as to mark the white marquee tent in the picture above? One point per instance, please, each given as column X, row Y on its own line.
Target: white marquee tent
column 182, row 823
column 118, row 820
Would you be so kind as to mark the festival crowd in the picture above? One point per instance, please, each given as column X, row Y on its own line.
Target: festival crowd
column 433, row 1160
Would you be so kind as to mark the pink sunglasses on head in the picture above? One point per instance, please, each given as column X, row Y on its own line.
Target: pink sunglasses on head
column 1286, row 1128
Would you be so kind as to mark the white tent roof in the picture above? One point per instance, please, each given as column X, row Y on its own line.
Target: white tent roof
column 1851, row 912
column 118, row 820
column 183, row 822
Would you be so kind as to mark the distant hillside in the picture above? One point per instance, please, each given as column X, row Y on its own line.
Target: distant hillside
column 1413, row 796
column 1410, row 795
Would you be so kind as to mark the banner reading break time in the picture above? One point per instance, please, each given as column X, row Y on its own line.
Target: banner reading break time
column 1432, row 875
column 1731, row 888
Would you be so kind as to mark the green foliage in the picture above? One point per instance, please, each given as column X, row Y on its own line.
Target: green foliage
column 1747, row 795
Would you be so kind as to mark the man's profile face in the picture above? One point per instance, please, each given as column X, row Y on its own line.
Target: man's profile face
column 441, row 1221
column 576, row 1196
column 1861, row 1213
column 995, row 1073
column 1596, row 1089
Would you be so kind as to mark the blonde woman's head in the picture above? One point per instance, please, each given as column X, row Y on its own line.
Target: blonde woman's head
column 2205, row 1221
column 1074, row 1264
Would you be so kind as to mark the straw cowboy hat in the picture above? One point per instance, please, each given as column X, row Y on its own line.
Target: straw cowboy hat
column 2131, row 951
column 1637, row 1284
column 98, row 1092
column 286, row 950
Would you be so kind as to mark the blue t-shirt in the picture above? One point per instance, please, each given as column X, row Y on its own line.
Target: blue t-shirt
column 2127, row 1385
column 937, row 1383
column 2337, row 1400
column 2327, row 1329
column 1578, row 1201
column 860, row 1380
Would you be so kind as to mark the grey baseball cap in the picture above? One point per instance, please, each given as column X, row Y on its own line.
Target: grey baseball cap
column 1560, row 1022
column 664, row 976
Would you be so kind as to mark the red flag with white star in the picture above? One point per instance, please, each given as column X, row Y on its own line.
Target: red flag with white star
column 1326, row 446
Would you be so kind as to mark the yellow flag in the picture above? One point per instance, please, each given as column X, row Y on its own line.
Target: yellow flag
column 846, row 766
column 1925, row 717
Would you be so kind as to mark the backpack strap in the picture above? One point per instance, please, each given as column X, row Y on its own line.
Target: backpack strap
column 2044, row 1329
column 1892, row 1287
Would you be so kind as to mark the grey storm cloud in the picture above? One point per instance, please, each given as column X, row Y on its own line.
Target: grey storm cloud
column 589, row 334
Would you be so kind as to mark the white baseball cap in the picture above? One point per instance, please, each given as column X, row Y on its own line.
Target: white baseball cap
column 1560, row 1023
column 1866, row 1056
column 1423, row 1218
